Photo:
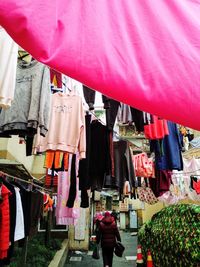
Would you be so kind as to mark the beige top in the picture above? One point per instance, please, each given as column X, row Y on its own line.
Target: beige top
column 67, row 126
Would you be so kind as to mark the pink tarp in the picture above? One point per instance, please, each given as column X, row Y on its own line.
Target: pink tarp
column 145, row 53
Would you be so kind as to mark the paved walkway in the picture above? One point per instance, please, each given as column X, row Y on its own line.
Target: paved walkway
column 83, row 260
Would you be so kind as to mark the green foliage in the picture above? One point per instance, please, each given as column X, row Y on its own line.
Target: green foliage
column 173, row 236
column 38, row 255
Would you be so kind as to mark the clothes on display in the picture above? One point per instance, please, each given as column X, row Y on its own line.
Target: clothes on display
column 89, row 95
column 155, row 127
column 64, row 214
column 176, row 191
column 84, row 165
column 143, row 166
column 145, row 193
column 19, row 224
column 124, row 114
column 55, row 159
column 100, row 163
column 124, row 170
column 191, row 168
column 111, row 114
column 20, row 211
column 56, row 78
column 196, row 186
column 110, row 105
column 31, row 105
column 162, row 183
column 4, row 222
column 127, row 114
column 67, row 125
column 8, row 63
column 168, row 151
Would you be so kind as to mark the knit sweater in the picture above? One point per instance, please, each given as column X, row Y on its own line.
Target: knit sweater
column 31, row 105
column 67, row 126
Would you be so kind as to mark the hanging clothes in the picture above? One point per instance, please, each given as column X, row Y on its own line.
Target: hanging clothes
column 26, row 204
column 31, row 106
column 110, row 105
column 12, row 209
column 100, row 162
column 55, row 159
column 89, row 95
column 19, row 226
column 196, row 186
column 35, row 211
column 162, row 183
column 56, row 78
column 127, row 114
column 155, row 127
column 4, row 222
column 168, row 152
column 8, row 63
column 143, row 166
column 73, row 185
column 111, row 114
column 191, row 167
column 67, row 125
column 65, row 215
column 138, row 119
column 124, row 170
column 84, row 176
column 124, row 114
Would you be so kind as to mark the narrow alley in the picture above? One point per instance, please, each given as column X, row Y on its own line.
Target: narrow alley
column 128, row 259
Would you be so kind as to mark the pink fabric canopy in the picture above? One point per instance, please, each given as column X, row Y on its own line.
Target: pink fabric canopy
column 143, row 53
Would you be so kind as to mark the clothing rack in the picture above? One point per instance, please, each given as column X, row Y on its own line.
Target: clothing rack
column 25, row 181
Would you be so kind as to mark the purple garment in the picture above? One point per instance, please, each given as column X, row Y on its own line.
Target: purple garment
column 162, row 183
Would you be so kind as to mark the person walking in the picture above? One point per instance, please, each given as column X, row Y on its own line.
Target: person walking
column 108, row 235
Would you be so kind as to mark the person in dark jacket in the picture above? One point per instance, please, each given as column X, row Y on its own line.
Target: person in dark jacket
column 108, row 235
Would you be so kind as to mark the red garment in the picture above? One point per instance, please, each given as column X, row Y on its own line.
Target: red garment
column 196, row 186
column 157, row 129
column 109, row 232
column 56, row 78
column 143, row 166
column 4, row 222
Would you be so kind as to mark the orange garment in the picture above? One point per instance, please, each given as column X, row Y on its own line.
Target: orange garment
column 48, row 202
column 56, row 157
column 66, row 161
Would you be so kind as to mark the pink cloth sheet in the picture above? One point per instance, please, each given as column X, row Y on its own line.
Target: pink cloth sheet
column 143, row 53
column 65, row 215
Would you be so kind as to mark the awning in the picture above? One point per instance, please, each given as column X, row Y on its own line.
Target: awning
column 143, row 53
column 14, row 169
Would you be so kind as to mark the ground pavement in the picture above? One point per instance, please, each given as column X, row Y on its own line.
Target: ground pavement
column 128, row 259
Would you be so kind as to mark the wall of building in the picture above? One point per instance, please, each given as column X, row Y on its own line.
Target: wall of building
column 150, row 210
column 12, row 150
